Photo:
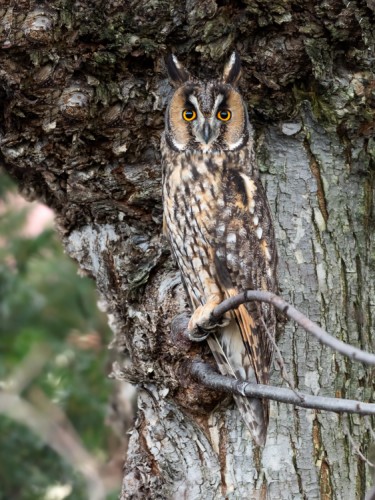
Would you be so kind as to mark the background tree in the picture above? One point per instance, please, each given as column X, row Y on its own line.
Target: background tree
column 52, row 348
column 83, row 92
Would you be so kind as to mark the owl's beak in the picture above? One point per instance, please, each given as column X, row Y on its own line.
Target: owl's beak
column 207, row 132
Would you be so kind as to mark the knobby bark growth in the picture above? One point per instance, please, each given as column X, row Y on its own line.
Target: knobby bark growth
column 83, row 92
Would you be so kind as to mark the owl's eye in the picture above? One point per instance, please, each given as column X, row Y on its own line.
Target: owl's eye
column 189, row 115
column 224, row 115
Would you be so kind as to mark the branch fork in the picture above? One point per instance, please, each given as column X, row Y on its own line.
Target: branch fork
column 210, row 378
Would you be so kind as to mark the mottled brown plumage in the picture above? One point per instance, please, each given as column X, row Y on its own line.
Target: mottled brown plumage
column 218, row 222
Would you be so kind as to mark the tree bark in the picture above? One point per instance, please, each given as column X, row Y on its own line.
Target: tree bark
column 83, row 92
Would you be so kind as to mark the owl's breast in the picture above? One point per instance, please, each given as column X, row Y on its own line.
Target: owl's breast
column 193, row 198
column 193, row 195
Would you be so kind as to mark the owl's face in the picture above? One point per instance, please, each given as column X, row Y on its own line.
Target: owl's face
column 206, row 117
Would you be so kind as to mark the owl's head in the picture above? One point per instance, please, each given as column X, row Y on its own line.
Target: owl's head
column 206, row 116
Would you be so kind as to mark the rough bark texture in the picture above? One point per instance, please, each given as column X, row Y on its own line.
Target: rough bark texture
column 83, row 91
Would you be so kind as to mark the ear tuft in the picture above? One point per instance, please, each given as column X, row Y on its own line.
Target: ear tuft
column 176, row 72
column 232, row 70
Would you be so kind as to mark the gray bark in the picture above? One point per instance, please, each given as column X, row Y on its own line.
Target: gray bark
column 83, row 92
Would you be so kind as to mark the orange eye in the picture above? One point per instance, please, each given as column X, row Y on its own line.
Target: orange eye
column 189, row 115
column 224, row 115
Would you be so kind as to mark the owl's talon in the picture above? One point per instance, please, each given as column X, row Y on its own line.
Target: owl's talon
column 202, row 323
column 198, row 334
column 221, row 322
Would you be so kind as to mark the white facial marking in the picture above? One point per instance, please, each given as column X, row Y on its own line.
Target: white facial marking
column 256, row 220
column 236, row 144
column 194, row 101
column 218, row 101
column 178, row 145
column 259, row 232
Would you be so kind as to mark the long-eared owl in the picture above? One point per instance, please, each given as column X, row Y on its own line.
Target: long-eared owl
column 218, row 222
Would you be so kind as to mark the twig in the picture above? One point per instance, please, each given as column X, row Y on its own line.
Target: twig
column 356, row 446
column 292, row 313
column 210, row 378
column 280, row 361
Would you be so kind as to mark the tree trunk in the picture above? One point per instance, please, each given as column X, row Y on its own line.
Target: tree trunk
column 83, row 92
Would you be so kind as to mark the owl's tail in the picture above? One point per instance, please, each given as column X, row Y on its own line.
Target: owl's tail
column 232, row 358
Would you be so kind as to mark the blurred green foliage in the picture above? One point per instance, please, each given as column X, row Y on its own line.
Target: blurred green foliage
column 43, row 301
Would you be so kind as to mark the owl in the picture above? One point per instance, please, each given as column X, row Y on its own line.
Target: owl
column 218, row 223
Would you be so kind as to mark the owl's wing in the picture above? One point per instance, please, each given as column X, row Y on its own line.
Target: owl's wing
column 247, row 260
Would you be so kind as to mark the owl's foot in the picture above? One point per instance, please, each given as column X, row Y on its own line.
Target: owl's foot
column 201, row 323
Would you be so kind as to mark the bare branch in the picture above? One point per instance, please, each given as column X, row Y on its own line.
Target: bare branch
column 210, row 378
column 280, row 360
column 355, row 446
column 325, row 338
